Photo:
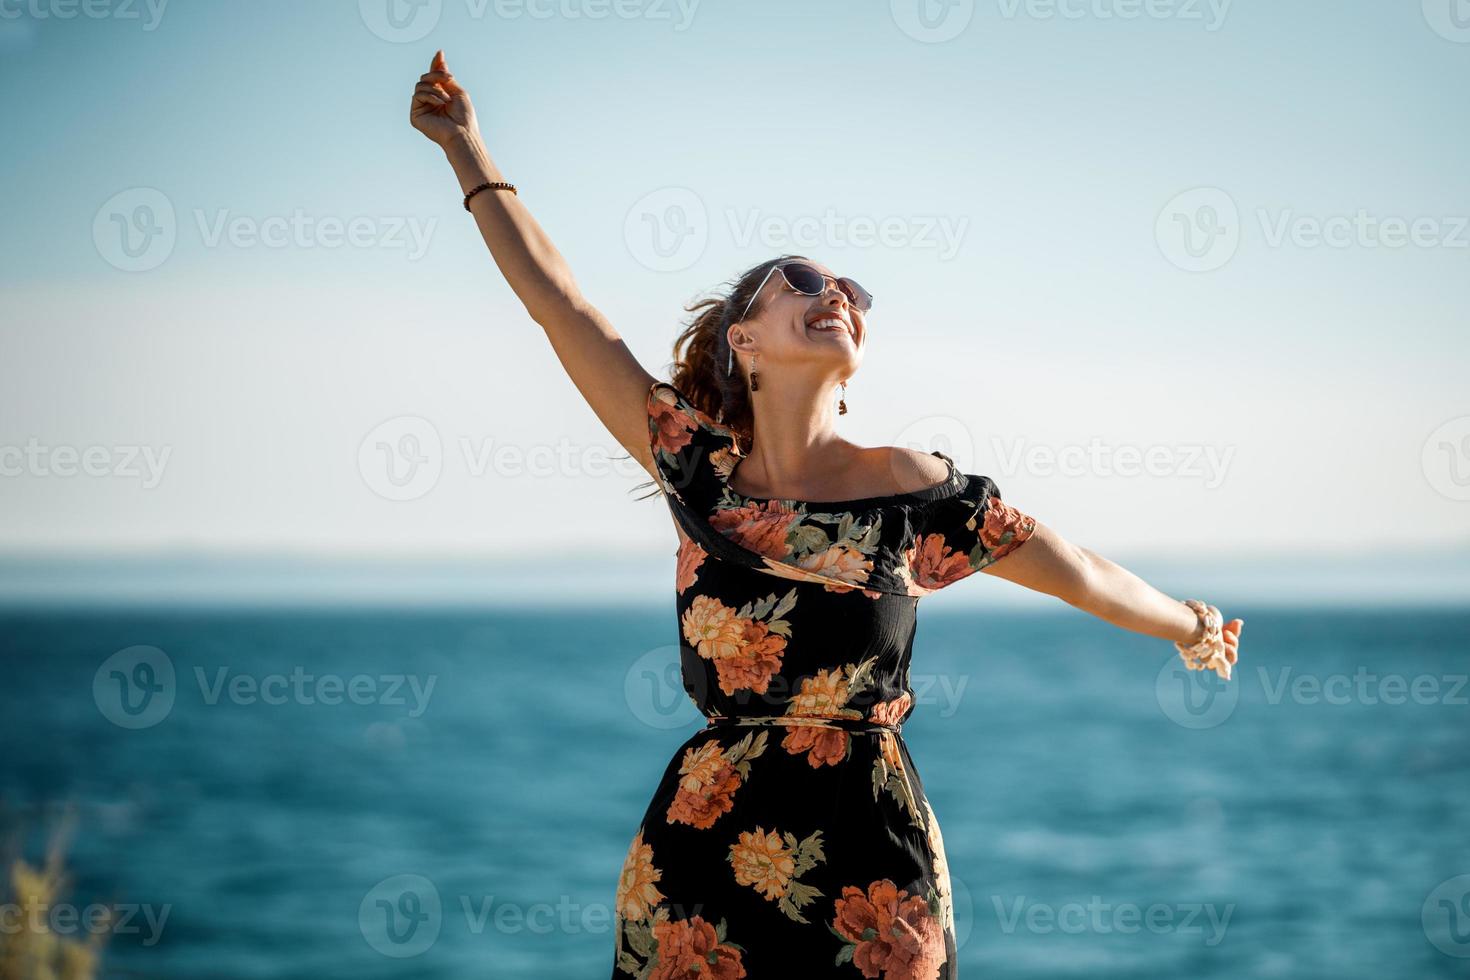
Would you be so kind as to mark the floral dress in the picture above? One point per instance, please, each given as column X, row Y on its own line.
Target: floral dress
column 790, row 837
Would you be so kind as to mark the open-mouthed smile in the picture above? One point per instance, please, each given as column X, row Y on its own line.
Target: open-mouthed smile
column 830, row 323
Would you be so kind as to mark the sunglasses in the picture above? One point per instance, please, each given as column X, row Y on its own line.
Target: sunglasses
column 810, row 282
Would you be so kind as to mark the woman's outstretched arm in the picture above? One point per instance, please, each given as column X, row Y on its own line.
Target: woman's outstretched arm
column 1049, row 563
column 596, row 358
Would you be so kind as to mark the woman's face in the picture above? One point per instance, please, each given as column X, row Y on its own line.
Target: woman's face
column 791, row 328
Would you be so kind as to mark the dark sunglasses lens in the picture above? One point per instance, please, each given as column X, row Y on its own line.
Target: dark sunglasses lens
column 804, row 279
column 856, row 295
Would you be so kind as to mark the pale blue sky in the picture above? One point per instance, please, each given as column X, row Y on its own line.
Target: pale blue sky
column 1035, row 290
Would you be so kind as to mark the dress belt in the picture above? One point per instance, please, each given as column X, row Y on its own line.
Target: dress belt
column 847, row 724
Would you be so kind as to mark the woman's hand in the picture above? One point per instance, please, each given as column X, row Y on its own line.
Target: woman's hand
column 1220, row 658
column 1230, row 632
column 441, row 109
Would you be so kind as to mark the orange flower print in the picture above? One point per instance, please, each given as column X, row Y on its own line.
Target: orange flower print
column 761, row 528
column 794, row 546
column 709, row 775
column 931, row 564
column 745, row 645
column 707, row 786
column 669, row 435
column 771, row 864
column 759, row 659
column 712, row 628
column 784, row 570
column 668, row 421
column 1004, row 530
column 693, row 949
column 890, row 934
column 636, row 892
column 823, row 696
column 842, row 561
column 891, row 712
column 822, row 745
column 762, row 861
column 633, row 905
column 691, row 556
column 672, row 420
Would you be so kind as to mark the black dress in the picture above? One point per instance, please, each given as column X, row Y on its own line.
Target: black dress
column 791, row 837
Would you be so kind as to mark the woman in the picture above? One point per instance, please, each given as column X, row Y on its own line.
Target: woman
column 790, row 837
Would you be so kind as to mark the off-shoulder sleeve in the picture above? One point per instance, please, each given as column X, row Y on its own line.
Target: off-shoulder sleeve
column 693, row 453
column 958, row 535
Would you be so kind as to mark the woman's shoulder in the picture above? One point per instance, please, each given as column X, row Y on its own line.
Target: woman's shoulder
column 913, row 468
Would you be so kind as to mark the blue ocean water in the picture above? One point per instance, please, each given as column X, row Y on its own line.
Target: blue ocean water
column 359, row 793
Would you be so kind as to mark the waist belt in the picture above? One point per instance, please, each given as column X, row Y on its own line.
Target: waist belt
column 846, row 724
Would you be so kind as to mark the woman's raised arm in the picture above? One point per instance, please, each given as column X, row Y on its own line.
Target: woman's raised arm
column 1048, row 563
column 596, row 358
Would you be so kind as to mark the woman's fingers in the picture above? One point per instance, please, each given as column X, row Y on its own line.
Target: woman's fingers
column 1230, row 632
column 444, row 80
column 430, row 96
column 439, row 72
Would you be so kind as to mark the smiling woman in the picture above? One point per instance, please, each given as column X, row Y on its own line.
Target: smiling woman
column 791, row 836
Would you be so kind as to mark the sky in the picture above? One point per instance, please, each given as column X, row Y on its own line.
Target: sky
column 1187, row 278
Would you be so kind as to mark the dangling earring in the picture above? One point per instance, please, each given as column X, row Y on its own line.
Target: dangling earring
column 842, row 400
column 730, row 362
column 755, row 384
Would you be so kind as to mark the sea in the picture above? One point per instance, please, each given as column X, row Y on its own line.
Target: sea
column 383, row 792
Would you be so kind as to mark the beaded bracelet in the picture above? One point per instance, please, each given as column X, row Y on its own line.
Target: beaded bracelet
column 1209, row 652
column 497, row 184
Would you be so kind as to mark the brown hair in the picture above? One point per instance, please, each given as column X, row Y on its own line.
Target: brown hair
column 702, row 350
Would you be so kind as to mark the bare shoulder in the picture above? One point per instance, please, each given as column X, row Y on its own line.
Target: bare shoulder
column 910, row 469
